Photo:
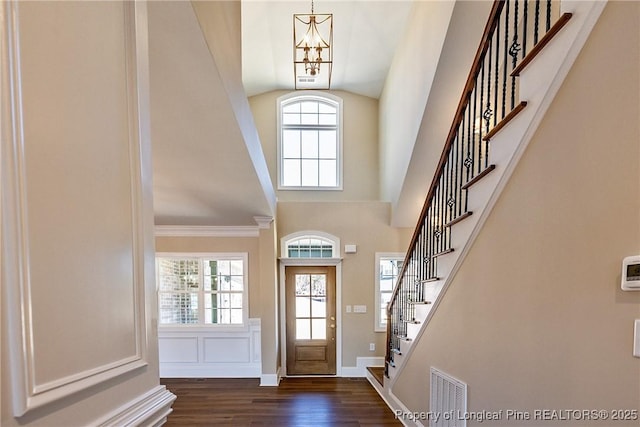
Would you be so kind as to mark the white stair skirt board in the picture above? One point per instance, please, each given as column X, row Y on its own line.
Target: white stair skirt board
column 150, row 409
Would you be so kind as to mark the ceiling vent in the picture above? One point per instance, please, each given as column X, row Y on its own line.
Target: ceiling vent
column 304, row 79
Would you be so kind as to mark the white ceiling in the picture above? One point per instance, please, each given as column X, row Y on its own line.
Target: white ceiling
column 365, row 37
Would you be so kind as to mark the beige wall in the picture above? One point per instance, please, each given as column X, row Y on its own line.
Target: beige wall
column 262, row 285
column 535, row 318
column 360, row 146
column 79, row 313
column 222, row 245
column 365, row 224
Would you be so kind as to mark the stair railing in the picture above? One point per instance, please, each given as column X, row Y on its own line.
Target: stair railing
column 514, row 34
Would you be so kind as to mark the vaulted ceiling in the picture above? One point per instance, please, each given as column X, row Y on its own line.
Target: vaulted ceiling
column 207, row 57
column 366, row 34
column 204, row 171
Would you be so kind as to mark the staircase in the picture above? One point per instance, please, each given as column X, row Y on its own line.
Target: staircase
column 525, row 53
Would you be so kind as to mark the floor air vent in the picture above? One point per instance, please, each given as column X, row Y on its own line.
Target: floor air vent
column 448, row 401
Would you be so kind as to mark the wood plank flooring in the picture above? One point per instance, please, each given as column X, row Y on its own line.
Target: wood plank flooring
column 299, row 402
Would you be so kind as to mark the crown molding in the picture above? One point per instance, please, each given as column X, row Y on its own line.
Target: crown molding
column 264, row 222
column 205, row 231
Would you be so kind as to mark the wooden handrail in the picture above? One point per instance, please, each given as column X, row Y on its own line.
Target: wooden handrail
column 464, row 157
column 492, row 22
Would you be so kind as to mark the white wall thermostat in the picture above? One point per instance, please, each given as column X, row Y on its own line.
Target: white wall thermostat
column 631, row 273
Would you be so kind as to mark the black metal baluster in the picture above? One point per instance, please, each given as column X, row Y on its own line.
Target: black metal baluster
column 536, row 23
column 525, row 30
column 476, row 122
column 459, row 171
column 497, row 73
column 429, row 231
column 436, row 229
column 454, row 178
column 445, row 206
column 441, row 213
column 548, row 15
column 504, row 63
column 513, row 51
column 470, row 136
column 446, row 188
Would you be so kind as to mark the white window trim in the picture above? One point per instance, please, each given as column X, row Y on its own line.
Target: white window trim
column 244, row 256
column 318, row 95
column 378, row 327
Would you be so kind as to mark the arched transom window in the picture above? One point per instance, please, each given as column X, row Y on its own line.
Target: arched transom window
column 310, row 245
column 309, row 143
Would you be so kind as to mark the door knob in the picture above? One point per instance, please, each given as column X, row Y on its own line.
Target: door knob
column 333, row 318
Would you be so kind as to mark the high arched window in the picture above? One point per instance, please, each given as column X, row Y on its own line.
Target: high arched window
column 309, row 142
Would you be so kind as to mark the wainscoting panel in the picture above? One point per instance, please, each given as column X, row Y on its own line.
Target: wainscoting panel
column 226, row 350
column 210, row 353
column 179, row 349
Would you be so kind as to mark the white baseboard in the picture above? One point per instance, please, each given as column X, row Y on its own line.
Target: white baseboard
column 150, row 409
column 210, row 370
column 360, row 370
column 270, row 380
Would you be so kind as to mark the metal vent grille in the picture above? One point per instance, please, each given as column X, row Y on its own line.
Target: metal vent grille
column 448, row 400
column 306, row 79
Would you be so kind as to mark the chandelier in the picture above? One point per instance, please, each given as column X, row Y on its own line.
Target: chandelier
column 312, row 50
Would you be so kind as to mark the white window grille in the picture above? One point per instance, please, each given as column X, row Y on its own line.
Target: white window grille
column 388, row 266
column 206, row 289
column 309, row 148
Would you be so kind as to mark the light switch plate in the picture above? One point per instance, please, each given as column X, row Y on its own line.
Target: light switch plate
column 359, row 308
column 636, row 338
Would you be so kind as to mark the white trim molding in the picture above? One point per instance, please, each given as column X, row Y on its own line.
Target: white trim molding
column 206, row 231
column 264, row 222
column 150, row 409
column 271, row 380
column 284, row 242
column 322, row 97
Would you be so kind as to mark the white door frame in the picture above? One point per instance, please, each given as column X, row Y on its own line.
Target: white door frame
column 310, row 262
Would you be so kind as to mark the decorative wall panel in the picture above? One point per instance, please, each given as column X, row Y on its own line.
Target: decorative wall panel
column 72, row 212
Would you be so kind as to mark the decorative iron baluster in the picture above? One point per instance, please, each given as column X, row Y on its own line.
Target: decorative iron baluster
column 536, row 23
column 525, row 29
column 504, row 64
column 513, row 51
column 548, row 26
column 497, row 74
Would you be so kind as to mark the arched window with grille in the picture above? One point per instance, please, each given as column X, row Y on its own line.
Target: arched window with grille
column 310, row 146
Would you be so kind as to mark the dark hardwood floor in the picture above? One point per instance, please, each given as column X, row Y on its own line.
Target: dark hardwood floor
column 300, row 402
